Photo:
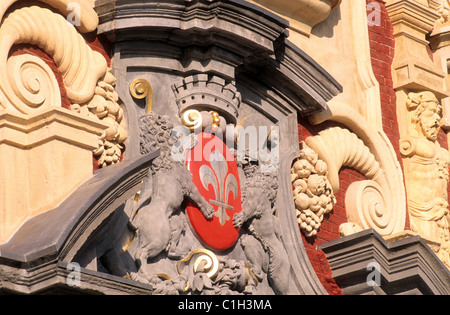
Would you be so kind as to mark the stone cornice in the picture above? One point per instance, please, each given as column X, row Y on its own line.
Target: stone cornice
column 235, row 36
column 412, row 67
column 407, row 266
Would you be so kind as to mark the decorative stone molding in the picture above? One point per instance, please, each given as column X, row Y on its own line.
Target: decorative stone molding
column 420, row 85
column 442, row 8
column 405, row 266
column 105, row 106
column 80, row 67
column 211, row 93
column 369, row 204
column 313, row 194
column 27, row 84
column 412, row 67
column 388, row 174
column 303, row 14
column 246, row 46
column 32, row 148
column 440, row 45
column 426, row 172
column 88, row 20
column 47, row 148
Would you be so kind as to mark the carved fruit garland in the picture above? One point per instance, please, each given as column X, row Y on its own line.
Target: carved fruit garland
column 313, row 194
column 104, row 105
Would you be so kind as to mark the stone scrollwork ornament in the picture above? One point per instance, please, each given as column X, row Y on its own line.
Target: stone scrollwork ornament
column 368, row 202
column 313, row 194
column 28, row 85
column 442, row 7
column 204, row 273
column 141, row 89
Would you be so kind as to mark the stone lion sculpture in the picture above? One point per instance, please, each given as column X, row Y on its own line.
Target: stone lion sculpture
column 262, row 241
column 168, row 184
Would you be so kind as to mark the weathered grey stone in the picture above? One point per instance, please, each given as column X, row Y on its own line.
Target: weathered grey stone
column 167, row 42
column 243, row 49
column 407, row 266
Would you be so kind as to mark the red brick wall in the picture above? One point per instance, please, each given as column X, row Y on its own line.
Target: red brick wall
column 329, row 229
column 382, row 49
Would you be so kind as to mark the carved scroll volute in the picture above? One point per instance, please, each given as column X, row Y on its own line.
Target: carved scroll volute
column 88, row 19
column 369, row 203
column 80, row 67
column 28, row 85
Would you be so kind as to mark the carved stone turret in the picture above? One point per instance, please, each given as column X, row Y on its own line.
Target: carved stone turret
column 203, row 92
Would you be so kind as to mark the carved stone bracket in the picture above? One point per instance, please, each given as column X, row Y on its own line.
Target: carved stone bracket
column 369, row 204
column 412, row 21
column 31, row 147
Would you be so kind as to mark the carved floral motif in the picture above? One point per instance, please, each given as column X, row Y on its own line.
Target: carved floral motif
column 105, row 106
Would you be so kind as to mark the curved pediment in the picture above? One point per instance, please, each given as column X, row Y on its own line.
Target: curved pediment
column 61, row 232
column 235, row 74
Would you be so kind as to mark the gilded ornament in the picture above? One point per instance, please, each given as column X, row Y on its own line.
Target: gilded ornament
column 141, row 89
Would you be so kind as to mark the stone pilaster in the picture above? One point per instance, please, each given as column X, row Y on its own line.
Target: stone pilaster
column 413, row 68
column 43, row 158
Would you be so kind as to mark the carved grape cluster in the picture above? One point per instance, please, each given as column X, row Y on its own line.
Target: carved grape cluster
column 313, row 194
column 105, row 106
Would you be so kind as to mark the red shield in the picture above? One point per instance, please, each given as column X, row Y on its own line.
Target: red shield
column 215, row 173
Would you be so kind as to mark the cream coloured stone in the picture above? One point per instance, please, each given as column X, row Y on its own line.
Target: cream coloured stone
column 426, row 171
column 27, row 84
column 43, row 158
column 302, row 14
column 313, row 194
column 88, row 18
column 370, row 152
column 79, row 65
column 412, row 67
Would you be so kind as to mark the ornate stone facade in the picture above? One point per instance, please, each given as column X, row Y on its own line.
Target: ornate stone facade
column 209, row 147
